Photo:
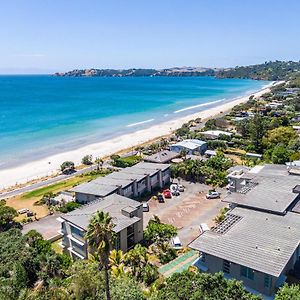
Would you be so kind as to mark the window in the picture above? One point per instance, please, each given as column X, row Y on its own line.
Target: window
column 77, row 232
column 226, row 266
column 203, row 257
column 267, row 281
column 247, row 272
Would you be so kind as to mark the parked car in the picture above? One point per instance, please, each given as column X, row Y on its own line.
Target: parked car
column 160, row 198
column 167, row 193
column 180, row 188
column 203, row 227
column 145, row 206
column 176, row 243
column 173, row 187
column 212, row 195
column 23, row 211
column 175, row 193
column 29, row 214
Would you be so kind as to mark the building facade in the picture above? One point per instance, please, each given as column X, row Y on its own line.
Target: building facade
column 126, row 214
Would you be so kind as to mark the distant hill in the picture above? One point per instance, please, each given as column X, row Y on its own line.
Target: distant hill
column 184, row 71
column 277, row 70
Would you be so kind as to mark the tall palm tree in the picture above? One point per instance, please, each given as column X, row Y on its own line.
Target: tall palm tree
column 100, row 237
column 99, row 163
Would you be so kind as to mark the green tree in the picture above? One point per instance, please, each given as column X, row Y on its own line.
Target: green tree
column 159, row 233
column 190, row 285
column 100, row 237
column 87, row 160
column 280, row 135
column 116, row 260
column 7, row 215
column 140, row 263
column 257, row 131
column 99, row 163
column 288, row 293
column 280, row 154
column 67, row 165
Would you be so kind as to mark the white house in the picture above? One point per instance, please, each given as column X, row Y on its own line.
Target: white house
column 191, row 146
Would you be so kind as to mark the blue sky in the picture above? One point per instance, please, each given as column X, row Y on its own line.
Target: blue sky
column 58, row 35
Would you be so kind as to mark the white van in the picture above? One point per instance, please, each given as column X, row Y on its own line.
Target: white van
column 176, row 243
column 145, row 207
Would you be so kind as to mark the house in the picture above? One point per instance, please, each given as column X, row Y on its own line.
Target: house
column 210, row 153
column 162, row 157
column 126, row 214
column 268, row 188
column 214, row 134
column 131, row 182
column 255, row 247
column 258, row 241
column 62, row 197
column 253, row 155
column 191, row 146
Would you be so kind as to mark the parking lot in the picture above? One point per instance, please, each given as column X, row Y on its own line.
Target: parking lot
column 187, row 211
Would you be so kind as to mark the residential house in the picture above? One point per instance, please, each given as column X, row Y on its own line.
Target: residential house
column 255, row 247
column 191, row 146
column 162, row 157
column 258, row 242
column 214, row 134
column 126, row 214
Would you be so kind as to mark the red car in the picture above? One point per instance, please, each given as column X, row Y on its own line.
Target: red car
column 167, row 193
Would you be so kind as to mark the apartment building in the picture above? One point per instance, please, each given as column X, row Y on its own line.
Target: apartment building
column 126, row 214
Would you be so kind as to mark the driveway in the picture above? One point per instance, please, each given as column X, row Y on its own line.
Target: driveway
column 187, row 211
column 48, row 226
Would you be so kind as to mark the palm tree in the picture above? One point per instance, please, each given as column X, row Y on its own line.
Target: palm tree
column 116, row 259
column 100, row 237
column 99, row 163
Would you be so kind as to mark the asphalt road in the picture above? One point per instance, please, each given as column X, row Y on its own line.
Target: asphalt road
column 48, row 182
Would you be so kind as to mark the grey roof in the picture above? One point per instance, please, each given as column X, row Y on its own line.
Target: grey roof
column 113, row 205
column 93, row 188
column 129, row 176
column 162, row 156
column 151, row 166
column 268, row 188
column 261, row 241
column 108, row 180
column 191, row 144
column 103, row 186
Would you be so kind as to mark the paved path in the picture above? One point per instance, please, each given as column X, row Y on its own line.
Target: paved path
column 179, row 264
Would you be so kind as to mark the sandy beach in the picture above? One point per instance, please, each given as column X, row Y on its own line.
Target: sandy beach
column 50, row 166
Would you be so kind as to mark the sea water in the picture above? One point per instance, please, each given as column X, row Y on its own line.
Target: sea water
column 43, row 115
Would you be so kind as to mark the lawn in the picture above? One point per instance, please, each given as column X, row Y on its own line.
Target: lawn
column 56, row 247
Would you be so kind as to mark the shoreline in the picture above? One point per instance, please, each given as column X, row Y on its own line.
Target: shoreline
column 49, row 166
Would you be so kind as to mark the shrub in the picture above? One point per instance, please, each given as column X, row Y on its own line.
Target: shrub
column 69, row 207
column 87, row 160
column 67, row 165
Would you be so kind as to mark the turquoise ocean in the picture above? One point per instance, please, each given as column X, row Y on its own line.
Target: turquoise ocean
column 44, row 115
